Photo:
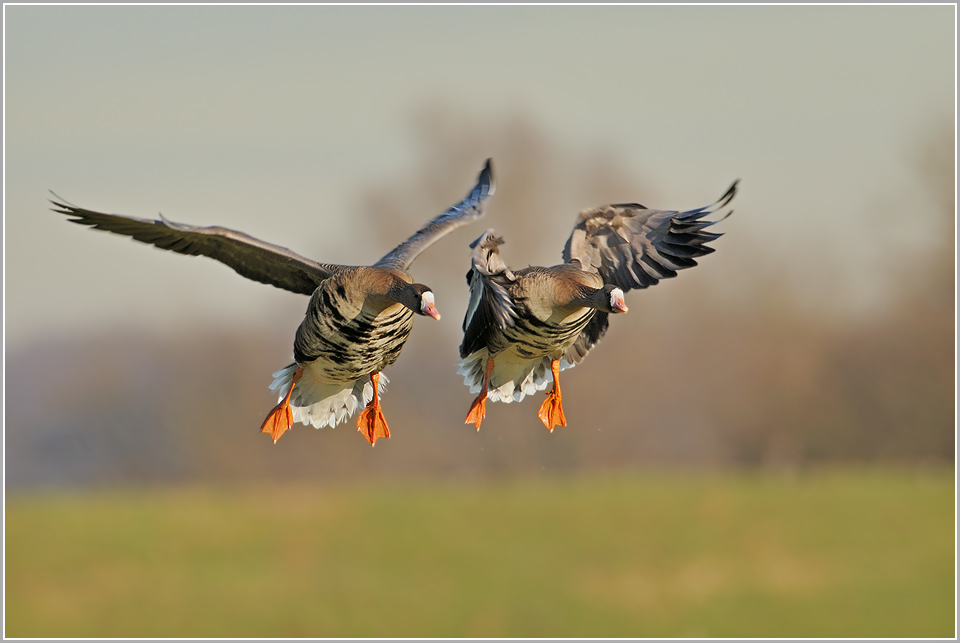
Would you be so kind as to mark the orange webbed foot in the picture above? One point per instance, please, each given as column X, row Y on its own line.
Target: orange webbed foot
column 551, row 411
column 278, row 421
column 478, row 411
column 281, row 417
column 372, row 424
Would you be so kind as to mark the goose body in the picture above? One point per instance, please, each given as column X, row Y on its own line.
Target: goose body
column 549, row 316
column 523, row 327
column 357, row 319
column 351, row 330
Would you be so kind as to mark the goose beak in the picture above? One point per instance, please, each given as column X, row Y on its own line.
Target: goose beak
column 427, row 307
column 616, row 301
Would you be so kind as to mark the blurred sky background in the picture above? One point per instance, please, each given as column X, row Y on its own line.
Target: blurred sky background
column 336, row 131
column 274, row 120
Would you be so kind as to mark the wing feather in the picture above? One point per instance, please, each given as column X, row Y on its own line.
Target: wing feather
column 468, row 210
column 632, row 247
column 588, row 338
column 491, row 308
column 249, row 257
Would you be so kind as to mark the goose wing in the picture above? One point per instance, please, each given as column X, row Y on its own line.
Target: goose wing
column 470, row 209
column 490, row 307
column 634, row 247
column 588, row 338
column 250, row 257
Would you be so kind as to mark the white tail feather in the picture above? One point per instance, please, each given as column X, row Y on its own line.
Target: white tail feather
column 513, row 377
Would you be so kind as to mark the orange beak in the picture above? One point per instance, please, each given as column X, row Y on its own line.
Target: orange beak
column 427, row 307
column 617, row 302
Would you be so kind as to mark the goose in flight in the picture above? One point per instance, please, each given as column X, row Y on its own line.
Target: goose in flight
column 523, row 327
column 356, row 322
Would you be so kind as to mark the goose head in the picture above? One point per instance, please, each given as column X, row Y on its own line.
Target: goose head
column 613, row 300
column 419, row 299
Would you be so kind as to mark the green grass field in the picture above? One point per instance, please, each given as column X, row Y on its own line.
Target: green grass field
column 834, row 554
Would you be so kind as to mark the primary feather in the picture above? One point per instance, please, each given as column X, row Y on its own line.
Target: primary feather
column 250, row 257
column 635, row 247
column 468, row 210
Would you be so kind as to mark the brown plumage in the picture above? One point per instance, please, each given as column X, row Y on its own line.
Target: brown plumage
column 523, row 327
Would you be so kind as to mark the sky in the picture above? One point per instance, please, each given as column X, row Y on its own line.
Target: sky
column 276, row 120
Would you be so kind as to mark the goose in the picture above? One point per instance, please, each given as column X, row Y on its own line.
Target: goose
column 525, row 326
column 357, row 320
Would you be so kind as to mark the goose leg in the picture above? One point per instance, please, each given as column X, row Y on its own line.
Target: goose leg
column 478, row 409
column 551, row 411
column 281, row 417
column 371, row 422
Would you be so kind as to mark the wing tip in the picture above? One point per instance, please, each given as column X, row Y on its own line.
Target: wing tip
column 62, row 206
column 729, row 194
column 486, row 183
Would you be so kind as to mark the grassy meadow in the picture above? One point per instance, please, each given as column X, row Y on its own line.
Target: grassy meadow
column 849, row 553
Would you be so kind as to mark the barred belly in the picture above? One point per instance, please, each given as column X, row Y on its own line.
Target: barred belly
column 345, row 348
column 535, row 338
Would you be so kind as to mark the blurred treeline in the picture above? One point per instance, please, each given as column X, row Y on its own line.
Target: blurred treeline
column 723, row 366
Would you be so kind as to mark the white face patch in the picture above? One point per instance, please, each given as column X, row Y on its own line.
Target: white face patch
column 427, row 306
column 616, row 301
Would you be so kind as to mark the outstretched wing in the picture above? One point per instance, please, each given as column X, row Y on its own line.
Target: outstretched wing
column 250, row 257
column 470, row 209
column 490, row 308
column 635, row 247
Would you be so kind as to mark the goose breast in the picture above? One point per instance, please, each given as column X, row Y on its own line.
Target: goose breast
column 350, row 330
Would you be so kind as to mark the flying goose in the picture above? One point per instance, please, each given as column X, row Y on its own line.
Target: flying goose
column 524, row 326
column 356, row 322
